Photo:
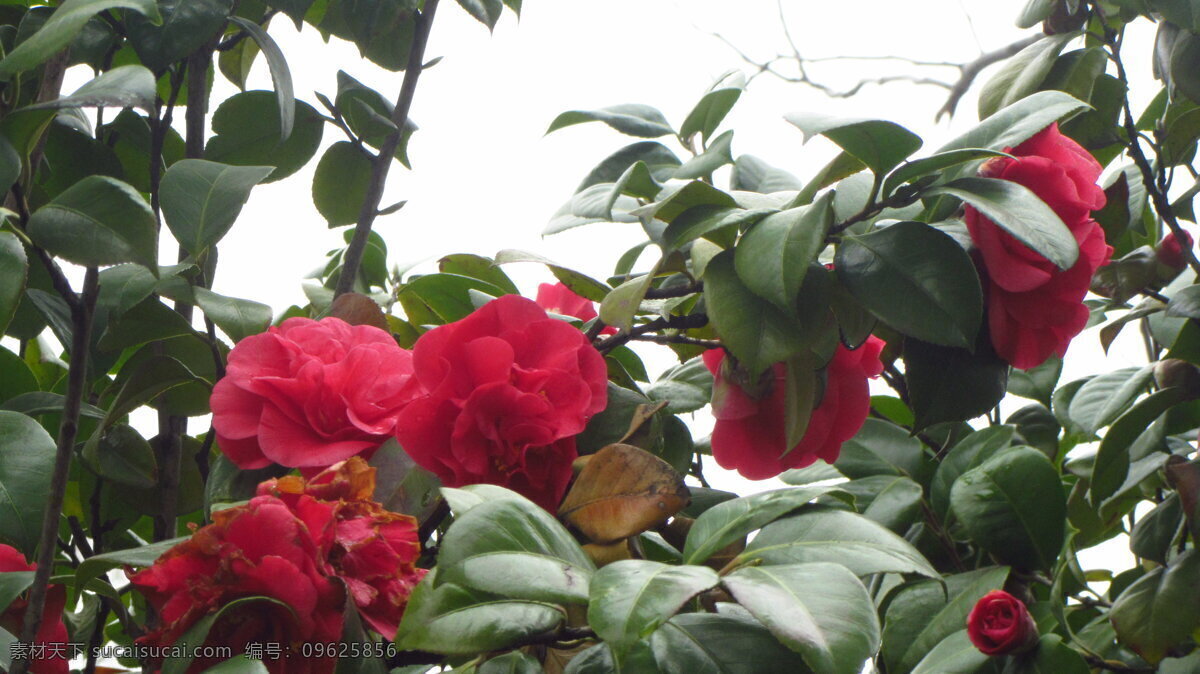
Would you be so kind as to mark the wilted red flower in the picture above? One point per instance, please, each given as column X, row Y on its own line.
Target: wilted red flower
column 750, row 434
column 1170, row 252
column 372, row 550
column 310, row 393
column 259, row 549
column 999, row 624
column 1034, row 308
column 508, row 390
column 50, row 653
column 559, row 299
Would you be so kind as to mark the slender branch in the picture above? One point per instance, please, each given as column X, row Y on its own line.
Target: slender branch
column 383, row 162
column 81, row 317
column 638, row 331
column 677, row 339
column 904, row 196
column 674, row 291
column 564, row 636
column 1098, row 662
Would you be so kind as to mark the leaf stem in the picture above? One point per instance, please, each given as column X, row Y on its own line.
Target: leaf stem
column 383, row 161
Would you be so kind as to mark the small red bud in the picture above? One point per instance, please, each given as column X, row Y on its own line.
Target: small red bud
column 1170, row 252
column 1001, row 625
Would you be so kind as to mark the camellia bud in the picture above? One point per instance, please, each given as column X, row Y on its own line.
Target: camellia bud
column 1170, row 252
column 1180, row 373
column 1001, row 625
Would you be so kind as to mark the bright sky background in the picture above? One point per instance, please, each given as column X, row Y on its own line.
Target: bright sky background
column 485, row 177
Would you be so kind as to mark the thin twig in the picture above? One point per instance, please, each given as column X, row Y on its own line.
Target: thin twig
column 383, row 161
column 637, row 331
column 81, row 318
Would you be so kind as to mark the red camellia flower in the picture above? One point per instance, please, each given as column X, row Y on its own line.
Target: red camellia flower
column 50, row 653
column 750, row 434
column 559, row 299
column 310, row 393
column 999, row 624
column 1034, row 308
column 508, row 390
column 1170, row 251
column 371, row 550
column 259, row 549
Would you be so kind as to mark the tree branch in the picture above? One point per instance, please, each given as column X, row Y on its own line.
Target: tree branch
column 383, row 162
column 643, row 330
column 81, row 318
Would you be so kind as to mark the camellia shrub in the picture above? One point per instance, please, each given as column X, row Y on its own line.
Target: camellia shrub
column 430, row 471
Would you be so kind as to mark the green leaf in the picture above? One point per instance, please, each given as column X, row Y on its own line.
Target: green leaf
column 969, row 453
column 402, row 486
column 819, row 534
column 819, row 609
column 952, row 384
column 631, row 598
column 514, row 662
column 453, row 620
column 122, row 87
column 1051, row 656
column 882, row 448
column 447, row 295
column 620, row 306
column 187, row 645
column 1104, row 398
column 956, row 655
column 1036, row 383
column 1160, row 610
column 731, row 520
column 340, row 183
column 752, row 174
column 758, row 333
column 61, row 28
column 14, row 268
column 891, row 500
column 280, row 74
column 152, row 377
column 12, row 584
column 486, row 12
column 580, row 284
column 1035, row 12
column 514, row 548
column 718, row 154
column 1112, row 459
column 725, row 643
column 1018, row 122
column 924, row 613
column 35, row 403
column 27, row 455
column 879, row 144
column 1185, row 303
column 123, row 456
column 15, row 376
column 238, row 318
column 711, row 111
column 138, row 556
column 919, row 168
column 1013, row 506
column 1182, row 13
column 186, row 26
column 248, row 133
column 686, row 387
column 916, row 279
column 98, row 221
column 718, row 223
column 1020, row 212
column 1154, row 534
column 1021, row 73
column 201, row 199
column 774, row 255
column 658, row 158
column 631, row 119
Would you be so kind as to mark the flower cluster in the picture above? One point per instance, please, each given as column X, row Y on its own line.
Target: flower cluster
column 496, row 397
column 1034, row 308
column 294, row 547
column 750, row 433
column 45, row 658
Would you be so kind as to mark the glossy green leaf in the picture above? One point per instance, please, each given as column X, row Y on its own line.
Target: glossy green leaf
column 580, row 284
column 919, row 168
column 632, row 598
column 238, row 318
column 12, row 585
column 99, row 221
column 1035, row 12
column 926, row 612
column 1021, row 74
column 882, row 448
column 718, row 154
column 632, row 119
column 17, row 379
column 486, row 12
column 708, row 643
column 916, row 279
column 1112, row 459
column 752, row 174
column 731, row 520
column 14, row 268
column 280, row 74
column 1104, row 398
column 513, row 662
column 248, row 133
column 201, row 199
column 758, row 333
column 686, row 387
column 453, row 620
column 658, row 158
column 620, row 306
column 948, row 384
column 186, row 25
column 710, row 111
column 879, row 144
column 891, row 500
column 1161, row 609
column 1018, row 122
column 970, row 452
column 446, row 295
column 123, row 456
column 821, row 610
column 1036, row 383
column 774, row 255
column 819, row 534
column 26, row 463
column 718, row 223
column 61, row 28
column 956, row 655
column 521, row 575
column 1014, row 507
column 340, row 183
column 122, row 87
